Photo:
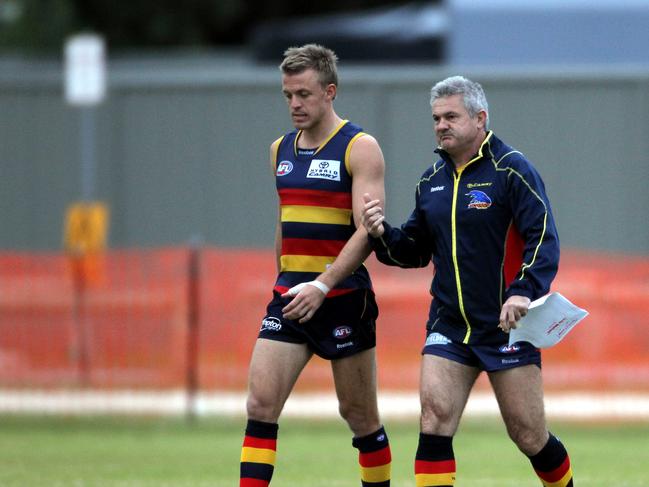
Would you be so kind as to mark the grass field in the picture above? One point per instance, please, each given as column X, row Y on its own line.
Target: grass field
column 79, row 452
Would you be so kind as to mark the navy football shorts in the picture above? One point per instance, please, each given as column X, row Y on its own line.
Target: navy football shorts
column 489, row 358
column 344, row 325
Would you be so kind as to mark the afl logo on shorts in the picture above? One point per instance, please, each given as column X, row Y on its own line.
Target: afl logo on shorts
column 342, row 332
column 509, row 348
column 284, row 167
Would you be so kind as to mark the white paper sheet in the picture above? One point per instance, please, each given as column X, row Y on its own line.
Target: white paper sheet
column 548, row 320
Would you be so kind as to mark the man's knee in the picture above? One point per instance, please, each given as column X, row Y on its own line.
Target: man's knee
column 528, row 438
column 439, row 411
column 262, row 408
column 362, row 418
column 438, row 417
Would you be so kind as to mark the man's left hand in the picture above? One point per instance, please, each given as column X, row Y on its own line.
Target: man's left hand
column 308, row 298
column 513, row 310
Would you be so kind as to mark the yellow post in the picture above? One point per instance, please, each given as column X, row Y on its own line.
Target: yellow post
column 84, row 239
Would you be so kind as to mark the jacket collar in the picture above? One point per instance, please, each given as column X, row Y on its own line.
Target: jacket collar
column 483, row 151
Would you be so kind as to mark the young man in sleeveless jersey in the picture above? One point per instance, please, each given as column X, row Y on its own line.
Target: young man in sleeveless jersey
column 323, row 301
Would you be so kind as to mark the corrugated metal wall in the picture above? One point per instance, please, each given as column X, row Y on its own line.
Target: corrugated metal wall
column 182, row 148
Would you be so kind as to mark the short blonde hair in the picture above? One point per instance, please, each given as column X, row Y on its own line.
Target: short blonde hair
column 311, row 56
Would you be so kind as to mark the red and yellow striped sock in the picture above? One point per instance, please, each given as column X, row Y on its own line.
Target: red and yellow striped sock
column 552, row 464
column 435, row 461
column 374, row 458
column 258, row 454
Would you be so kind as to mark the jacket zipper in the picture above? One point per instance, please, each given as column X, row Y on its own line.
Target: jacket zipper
column 456, row 185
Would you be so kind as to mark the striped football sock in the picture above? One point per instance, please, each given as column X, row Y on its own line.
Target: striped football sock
column 258, row 454
column 552, row 464
column 374, row 458
column 435, row 461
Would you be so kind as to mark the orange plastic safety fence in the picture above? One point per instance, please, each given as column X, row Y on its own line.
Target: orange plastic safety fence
column 130, row 327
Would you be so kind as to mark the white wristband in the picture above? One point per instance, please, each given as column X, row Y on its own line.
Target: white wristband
column 320, row 285
column 294, row 291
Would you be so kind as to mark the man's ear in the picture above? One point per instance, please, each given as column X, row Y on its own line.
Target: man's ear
column 482, row 119
column 331, row 90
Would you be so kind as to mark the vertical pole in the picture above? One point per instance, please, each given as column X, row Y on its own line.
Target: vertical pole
column 84, row 87
column 88, row 153
column 81, row 346
column 88, row 169
column 193, row 320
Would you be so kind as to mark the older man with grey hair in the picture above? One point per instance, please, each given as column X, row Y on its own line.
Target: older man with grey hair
column 483, row 217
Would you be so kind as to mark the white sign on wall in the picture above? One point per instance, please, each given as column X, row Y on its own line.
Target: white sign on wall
column 85, row 69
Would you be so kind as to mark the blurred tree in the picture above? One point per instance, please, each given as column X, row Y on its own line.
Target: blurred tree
column 43, row 25
column 292, row 8
column 36, row 25
column 146, row 23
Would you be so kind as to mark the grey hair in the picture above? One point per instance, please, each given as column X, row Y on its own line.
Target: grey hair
column 473, row 94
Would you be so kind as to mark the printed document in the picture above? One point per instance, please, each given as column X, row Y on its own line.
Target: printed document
column 548, row 320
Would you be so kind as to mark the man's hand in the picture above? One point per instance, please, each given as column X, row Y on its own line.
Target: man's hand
column 308, row 298
column 513, row 310
column 372, row 216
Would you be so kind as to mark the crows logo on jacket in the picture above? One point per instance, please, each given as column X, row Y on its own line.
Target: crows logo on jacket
column 479, row 200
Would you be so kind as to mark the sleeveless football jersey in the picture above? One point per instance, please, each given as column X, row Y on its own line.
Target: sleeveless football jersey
column 315, row 194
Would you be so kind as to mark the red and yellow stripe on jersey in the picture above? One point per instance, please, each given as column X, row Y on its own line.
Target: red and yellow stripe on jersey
column 314, row 188
column 312, row 207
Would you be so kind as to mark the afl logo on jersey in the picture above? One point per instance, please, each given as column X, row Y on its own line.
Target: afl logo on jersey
column 284, row 167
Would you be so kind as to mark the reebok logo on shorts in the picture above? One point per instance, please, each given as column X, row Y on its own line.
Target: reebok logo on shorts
column 509, row 349
column 437, row 339
column 271, row 323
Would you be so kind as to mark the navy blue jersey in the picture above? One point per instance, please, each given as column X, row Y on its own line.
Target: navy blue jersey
column 315, row 194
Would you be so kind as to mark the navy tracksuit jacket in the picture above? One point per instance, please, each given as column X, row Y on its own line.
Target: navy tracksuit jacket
column 490, row 233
